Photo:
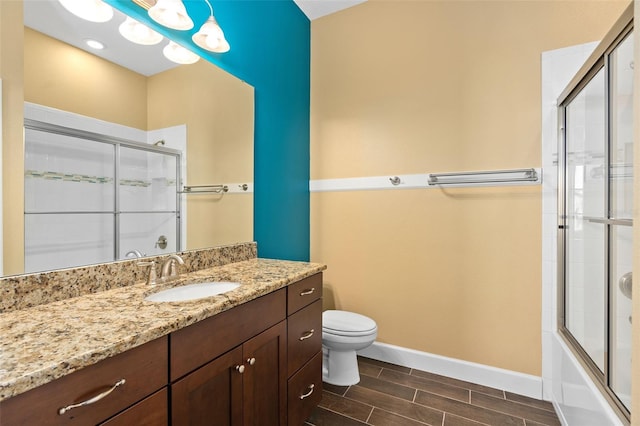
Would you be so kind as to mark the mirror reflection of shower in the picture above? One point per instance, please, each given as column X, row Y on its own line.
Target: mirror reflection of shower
column 92, row 198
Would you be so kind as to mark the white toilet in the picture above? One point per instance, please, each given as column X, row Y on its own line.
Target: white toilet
column 343, row 333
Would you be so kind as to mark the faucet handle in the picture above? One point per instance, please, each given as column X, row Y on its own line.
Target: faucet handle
column 151, row 278
column 173, row 269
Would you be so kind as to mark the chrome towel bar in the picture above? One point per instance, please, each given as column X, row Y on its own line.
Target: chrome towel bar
column 489, row 176
column 204, row 189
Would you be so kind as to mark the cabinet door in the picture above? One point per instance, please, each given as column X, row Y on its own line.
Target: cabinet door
column 265, row 377
column 211, row 395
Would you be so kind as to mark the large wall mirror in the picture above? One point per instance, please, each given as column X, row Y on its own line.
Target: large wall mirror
column 198, row 110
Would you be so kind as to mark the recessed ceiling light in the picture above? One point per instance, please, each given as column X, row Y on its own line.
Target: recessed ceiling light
column 94, row 44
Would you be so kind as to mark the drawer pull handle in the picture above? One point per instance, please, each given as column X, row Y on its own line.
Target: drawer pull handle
column 240, row 368
column 308, row 394
column 308, row 291
column 251, row 361
column 92, row 400
column 306, row 335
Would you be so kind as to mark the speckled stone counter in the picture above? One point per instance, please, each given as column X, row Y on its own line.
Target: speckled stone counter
column 28, row 290
column 42, row 343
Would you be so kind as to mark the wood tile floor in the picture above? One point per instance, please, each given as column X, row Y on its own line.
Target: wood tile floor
column 390, row 395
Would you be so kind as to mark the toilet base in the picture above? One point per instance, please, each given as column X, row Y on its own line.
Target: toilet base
column 341, row 368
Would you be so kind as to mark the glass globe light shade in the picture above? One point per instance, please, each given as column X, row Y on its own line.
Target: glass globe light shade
column 171, row 14
column 139, row 33
column 90, row 10
column 178, row 54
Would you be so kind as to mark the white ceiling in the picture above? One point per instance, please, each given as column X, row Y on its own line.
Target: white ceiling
column 318, row 8
column 50, row 18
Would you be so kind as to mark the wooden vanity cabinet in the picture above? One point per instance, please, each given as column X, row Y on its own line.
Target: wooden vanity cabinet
column 244, row 377
column 143, row 369
column 304, row 346
column 259, row 363
column 248, row 366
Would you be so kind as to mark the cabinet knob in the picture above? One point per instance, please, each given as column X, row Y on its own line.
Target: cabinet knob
column 240, row 368
column 251, row 361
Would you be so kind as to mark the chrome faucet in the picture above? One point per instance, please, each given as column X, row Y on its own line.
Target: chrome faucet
column 168, row 271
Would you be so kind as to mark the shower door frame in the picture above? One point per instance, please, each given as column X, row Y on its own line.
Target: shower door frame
column 117, row 142
column 599, row 60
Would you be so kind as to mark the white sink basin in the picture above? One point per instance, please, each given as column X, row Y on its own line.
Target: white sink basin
column 192, row 291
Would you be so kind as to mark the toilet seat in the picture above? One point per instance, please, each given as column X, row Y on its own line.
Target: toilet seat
column 343, row 323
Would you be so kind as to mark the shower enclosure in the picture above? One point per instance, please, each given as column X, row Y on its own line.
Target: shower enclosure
column 595, row 215
column 92, row 198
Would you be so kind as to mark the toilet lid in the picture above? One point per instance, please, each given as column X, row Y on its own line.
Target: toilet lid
column 349, row 323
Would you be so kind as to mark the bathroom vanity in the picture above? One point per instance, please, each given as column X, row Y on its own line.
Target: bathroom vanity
column 251, row 356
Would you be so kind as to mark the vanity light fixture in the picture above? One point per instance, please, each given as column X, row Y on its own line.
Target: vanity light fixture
column 178, row 54
column 139, row 33
column 90, row 10
column 171, row 14
column 210, row 36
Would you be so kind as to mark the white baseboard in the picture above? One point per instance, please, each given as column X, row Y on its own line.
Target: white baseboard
column 510, row 381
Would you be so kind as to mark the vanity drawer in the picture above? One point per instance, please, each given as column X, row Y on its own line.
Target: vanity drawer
column 304, row 335
column 304, row 292
column 151, row 411
column 305, row 391
column 143, row 369
column 194, row 346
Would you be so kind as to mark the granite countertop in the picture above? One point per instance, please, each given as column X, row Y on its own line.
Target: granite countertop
column 43, row 343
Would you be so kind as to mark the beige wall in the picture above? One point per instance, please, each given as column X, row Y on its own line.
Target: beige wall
column 218, row 111
column 401, row 87
column 61, row 76
column 11, row 72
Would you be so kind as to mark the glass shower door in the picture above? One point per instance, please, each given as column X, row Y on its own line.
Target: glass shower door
column 621, row 213
column 597, row 222
column 585, row 258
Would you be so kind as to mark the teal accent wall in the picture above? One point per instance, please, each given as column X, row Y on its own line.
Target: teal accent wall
column 270, row 49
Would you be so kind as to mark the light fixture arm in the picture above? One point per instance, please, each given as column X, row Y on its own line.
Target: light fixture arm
column 210, row 7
